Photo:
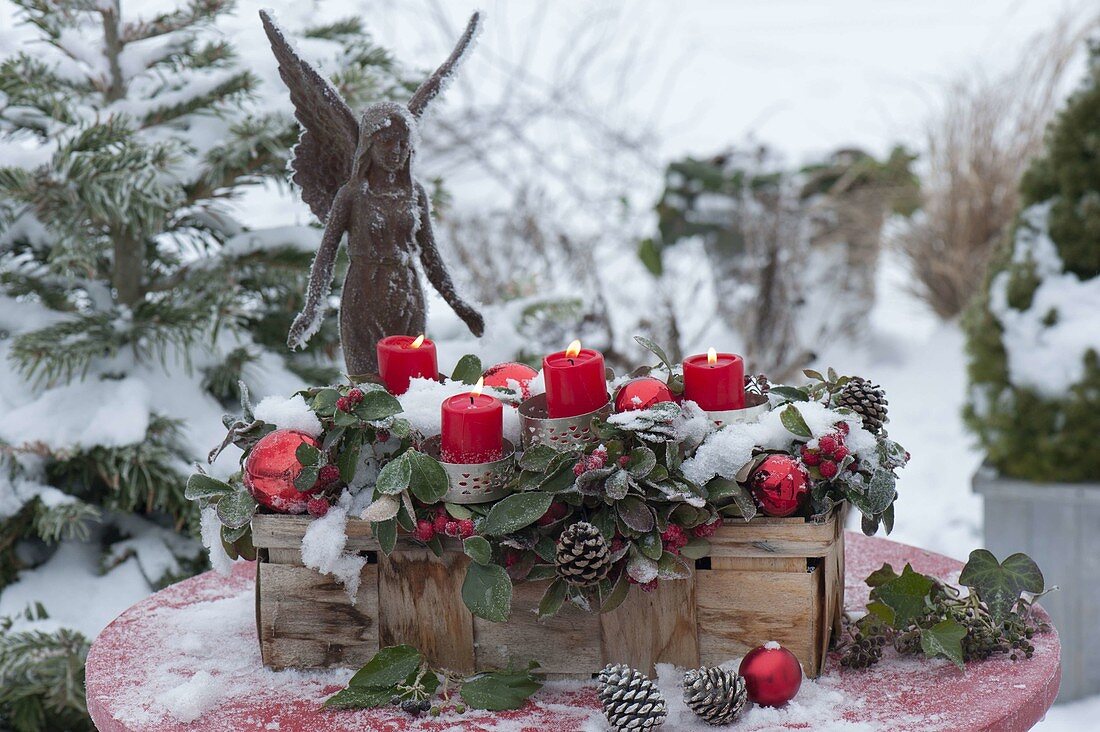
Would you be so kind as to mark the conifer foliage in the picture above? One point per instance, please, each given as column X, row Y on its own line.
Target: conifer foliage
column 130, row 295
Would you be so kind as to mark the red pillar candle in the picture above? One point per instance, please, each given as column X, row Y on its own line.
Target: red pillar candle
column 715, row 381
column 472, row 428
column 403, row 358
column 575, row 381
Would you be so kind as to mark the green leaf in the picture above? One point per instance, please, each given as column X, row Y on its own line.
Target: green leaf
column 307, row 454
column 388, row 667
column 650, row 255
column 906, row 595
column 794, row 422
column 881, row 576
column 395, row 476
column 697, row 548
column 635, row 513
column 468, row 369
column 348, row 459
column 307, row 478
column 478, row 549
column 377, row 404
column 386, row 534
column 650, row 545
column 230, row 536
column 498, row 691
column 201, row 486
column 642, row 462
column 487, row 592
column 516, row 511
column 790, row 393
column 553, row 598
column 236, row 509
column 1000, row 584
column 881, row 491
column 944, row 639
column 656, row 350
column 428, row 480
column 458, row 511
column 537, row 458
column 541, row 573
column 367, row 697
column 618, row 593
column 324, row 403
column 617, row 485
column 674, row 567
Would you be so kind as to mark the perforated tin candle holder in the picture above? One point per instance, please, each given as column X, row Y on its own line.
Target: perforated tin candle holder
column 755, row 406
column 475, row 482
column 561, row 433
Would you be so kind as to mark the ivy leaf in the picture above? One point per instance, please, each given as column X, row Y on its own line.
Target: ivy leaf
column 386, row 534
column 367, row 697
column 635, row 513
column 906, row 595
column 881, row 576
column 794, row 422
column 498, row 691
column 655, row 350
column 537, row 458
column 553, row 598
column 377, row 404
column 944, row 639
column 516, row 511
column 388, row 667
column 201, row 486
column 395, row 476
column 999, row 584
column 487, row 592
column 307, row 454
column 428, row 480
column 236, row 509
column 478, row 549
column 468, row 369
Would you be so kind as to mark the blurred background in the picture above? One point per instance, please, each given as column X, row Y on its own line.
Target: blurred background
column 807, row 184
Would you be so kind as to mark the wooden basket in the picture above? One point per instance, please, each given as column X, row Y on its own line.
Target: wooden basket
column 768, row 579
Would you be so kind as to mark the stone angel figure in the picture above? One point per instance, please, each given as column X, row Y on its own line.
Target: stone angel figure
column 356, row 177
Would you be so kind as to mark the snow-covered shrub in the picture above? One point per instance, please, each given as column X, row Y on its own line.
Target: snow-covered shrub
column 1034, row 336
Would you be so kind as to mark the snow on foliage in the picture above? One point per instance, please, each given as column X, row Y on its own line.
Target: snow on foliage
column 289, row 414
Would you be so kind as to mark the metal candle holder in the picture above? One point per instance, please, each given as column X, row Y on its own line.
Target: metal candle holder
column 755, row 406
column 560, row 433
column 475, row 482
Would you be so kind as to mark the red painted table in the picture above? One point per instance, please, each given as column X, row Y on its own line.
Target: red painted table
column 187, row 659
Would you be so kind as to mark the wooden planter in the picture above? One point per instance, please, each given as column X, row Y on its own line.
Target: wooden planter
column 768, row 579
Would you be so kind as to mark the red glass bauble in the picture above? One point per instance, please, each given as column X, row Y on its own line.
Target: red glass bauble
column 503, row 375
column 641, row 393
column 270, row 470
column 780, row 486
column 772, row 675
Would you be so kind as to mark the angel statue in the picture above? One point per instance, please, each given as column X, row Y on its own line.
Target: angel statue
column 356, row 177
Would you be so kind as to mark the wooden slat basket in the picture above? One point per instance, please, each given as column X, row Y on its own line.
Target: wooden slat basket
column 768, row 579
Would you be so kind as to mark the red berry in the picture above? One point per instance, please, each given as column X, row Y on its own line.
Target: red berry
column 616, row 544
column 511, row 558
column 649, row 586
column 424, row 530
column 853, row 466
column 556, row 511
column 840, row 453
column 598, row 458
column 466, row 528
column 843, row 427
column 451, row 528
column 355, row 395
column 827, row 445
column 704, row 530
column 317, row 507
column 674, row 538
column 810, row 457
column 328, row 475
column 623, row 461
column 580, row 467
column 382, row 436
column 439, row 523
column 828, row 469
column 344, row 404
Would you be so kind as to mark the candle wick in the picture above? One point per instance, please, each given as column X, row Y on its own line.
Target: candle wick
column 471, row 399
column 571, row 362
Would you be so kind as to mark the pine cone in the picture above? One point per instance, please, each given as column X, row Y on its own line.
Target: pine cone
column 583, row 557
column 714, row 694
column 867, row 400
column 630, row 700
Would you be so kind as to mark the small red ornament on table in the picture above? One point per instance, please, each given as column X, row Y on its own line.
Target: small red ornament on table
column 272, row 466
column 575, row 381
column 641, row 393
column 715, row 381
column 503, row 375
column 780, row 486
column 472, row 428
column 402, row 358
column 772, row 675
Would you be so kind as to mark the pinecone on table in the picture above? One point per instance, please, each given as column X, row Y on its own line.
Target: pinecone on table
column 865, row 399
column 583, row 557
column 630, row 700
column 715, row 694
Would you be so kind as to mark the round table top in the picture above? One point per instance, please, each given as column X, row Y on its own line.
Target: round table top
column 187, row 658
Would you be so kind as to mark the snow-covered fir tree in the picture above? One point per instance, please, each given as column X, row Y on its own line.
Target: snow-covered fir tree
column 132, row 301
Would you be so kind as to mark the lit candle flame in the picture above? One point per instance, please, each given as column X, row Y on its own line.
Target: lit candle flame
column 712, row 356
column 573, row 350
column 476, row 391
column 418, row 342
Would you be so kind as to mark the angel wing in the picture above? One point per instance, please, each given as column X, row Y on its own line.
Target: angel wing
column 324, row 153
column 435, row 83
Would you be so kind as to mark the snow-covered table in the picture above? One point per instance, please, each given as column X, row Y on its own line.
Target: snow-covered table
column 187, row 659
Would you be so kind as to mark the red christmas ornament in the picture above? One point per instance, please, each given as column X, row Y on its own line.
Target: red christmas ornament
column 772, row 675
column 780, row 486
column 270, row 470
column 641, row 393
column 502, row 374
